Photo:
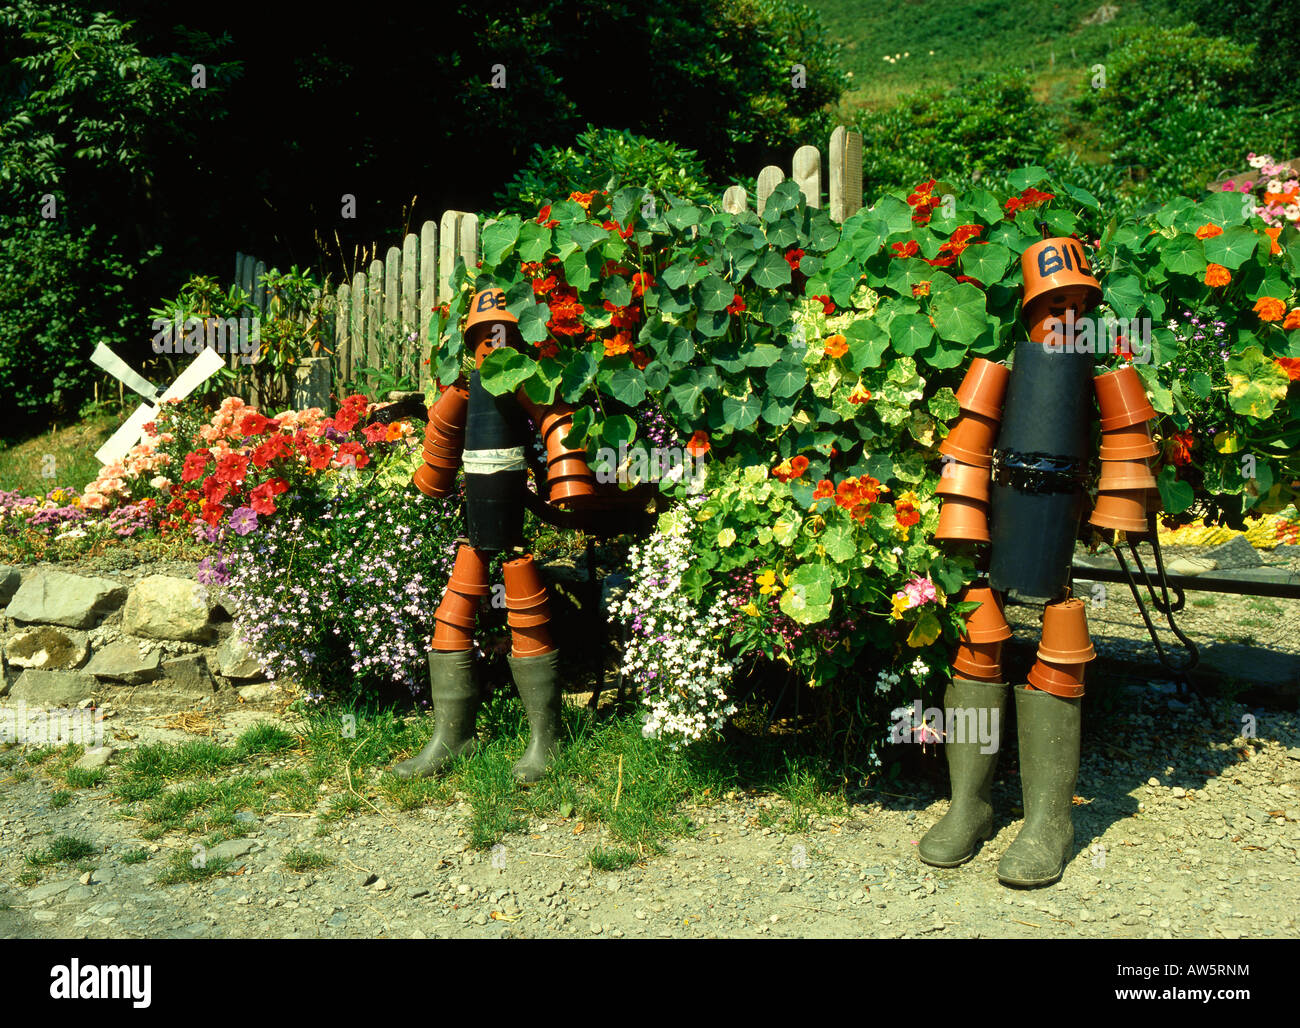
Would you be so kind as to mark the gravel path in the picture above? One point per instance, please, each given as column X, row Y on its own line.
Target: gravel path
column 1184, row 829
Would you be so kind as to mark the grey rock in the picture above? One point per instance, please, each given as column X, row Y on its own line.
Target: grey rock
column 54, row 688
column 235, row 659
column 95, row 757
column 49, row 890
column 1235, row 553
column 10, row 579
column 189, row 674
column 338, row 921
column 261, row 692
column 163, row 607
column 58, row 598
column 79, row 894
column 232, row 849
column 122, row 661
column 417, row 893
column 46, row 647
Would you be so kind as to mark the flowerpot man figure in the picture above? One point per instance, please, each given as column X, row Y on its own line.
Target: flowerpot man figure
column 1018, row 457
column 488, row 435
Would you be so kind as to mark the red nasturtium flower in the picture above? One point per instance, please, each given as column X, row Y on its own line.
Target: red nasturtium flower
column 1208, row 231
column 921, row 289
column 909, row 249
column 828, row 306
column 583, row 200
column 699, row 444
column 824, row 491
column 860, row 394
column 1269, row 309
column 1031, row 197
column 837, row 346
column 1178, row 448
column 544, row 217
column 790, row 469
column 737, row 305
column 1217, row 275
column 641, row 359
column 1291, row 365
column 906, row 514
column 621, row 343
column 793, row 257
column 641, row 281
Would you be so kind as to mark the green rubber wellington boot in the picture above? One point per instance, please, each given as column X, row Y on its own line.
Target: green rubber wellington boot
column 971, row 764
column 537, row 679
column 455, row 704
column 1049, row 765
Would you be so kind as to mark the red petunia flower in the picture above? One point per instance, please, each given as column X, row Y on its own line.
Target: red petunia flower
column 195, row 465
column 231, row 469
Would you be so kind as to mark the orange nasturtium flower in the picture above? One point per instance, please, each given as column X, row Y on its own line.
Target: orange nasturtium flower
column 1291, row 365
column 1269, row 308
column 837, row 346
column 860, row 394
column 1273, row 233
column 824, row 491
column 921, row 289
column 1292, row 321
column 1208, row 231
column 789, row 469
column 1217, row 275
column 699, row 444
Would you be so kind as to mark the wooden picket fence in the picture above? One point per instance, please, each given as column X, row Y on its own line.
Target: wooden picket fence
column 382, row 316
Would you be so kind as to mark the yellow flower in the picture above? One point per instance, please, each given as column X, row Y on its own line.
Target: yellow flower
column 767, row 582
column 900, row 603
column 750, row 609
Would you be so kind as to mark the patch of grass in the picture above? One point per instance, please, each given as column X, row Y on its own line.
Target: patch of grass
column 64, row 849
column 1204, row 601
column 39, row 756
column 806, row 790
column 611, row 858
column 136, row 856
column 28, row 878
column 340, row 807
column 23, row 464
column 181, row 868
column 85, row 778
column 263, row 738
column 1264, row 605
column 300, row 861
column 60, row 799
column 22, row 776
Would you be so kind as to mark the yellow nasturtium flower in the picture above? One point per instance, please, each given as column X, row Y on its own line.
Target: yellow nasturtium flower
column 767, row 582
column 750, row 609
column 900, row 603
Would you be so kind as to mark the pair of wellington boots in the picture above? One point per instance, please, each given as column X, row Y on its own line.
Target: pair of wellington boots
column 1048, row 728
column 455, row 706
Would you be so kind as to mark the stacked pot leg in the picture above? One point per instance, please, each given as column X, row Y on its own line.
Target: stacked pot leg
column 964, row 483
column 1127, row 486
column 444, row 442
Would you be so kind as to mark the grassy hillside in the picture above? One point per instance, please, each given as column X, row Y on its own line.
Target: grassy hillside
column 947, row 40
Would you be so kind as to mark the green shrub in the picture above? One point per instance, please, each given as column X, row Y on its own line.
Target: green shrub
column 605, row 159
column 985, row 127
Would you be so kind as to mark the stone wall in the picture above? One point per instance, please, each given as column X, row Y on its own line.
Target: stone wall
column 70, row 635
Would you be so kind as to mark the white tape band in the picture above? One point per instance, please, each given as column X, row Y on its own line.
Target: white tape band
column 488, row 462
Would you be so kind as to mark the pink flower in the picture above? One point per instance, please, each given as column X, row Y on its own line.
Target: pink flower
column 920, row 591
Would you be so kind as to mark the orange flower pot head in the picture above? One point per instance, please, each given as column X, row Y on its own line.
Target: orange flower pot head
column 1058, row 268
column 1065, row 633
column 986, row 623
column 1124, row 510
column 963, row 519
column 1121, row 475
column 984, row 388
column 487, row 309
column 1065, row 680
column 971, row 440
column 1122, row 398
column 435, row 482
column 981, row 661
column 1132, row 442
column 969, row 480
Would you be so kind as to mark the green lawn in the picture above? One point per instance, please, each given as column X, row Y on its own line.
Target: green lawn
column 949, row 40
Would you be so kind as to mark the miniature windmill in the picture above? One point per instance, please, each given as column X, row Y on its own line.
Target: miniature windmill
column 203, row 367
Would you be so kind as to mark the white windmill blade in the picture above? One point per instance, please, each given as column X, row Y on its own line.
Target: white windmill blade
column 123, row 372
column 200, row 369
column 121, row 441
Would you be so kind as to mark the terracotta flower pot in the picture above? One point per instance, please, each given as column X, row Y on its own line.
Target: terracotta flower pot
column 982, row 661
column 965, row 519
column 1059, row 266
column 530, row 617
column 456, row 609
column 568, row 466
column 523, row 582
column 433, row 451
column 968, row 480
column 469, row 575
column 1065, row 633
column 449, row 410
column 1065, row 680
column 1120, row 475
column 986, row 623
column 1124, row 510
column 530, row 641
column 448, row 637
column 983, row 388
column 450, row 463
column 1123, row 399
column 435, row 482
column 1132, row 442
column 971, row 440
column 572, row 491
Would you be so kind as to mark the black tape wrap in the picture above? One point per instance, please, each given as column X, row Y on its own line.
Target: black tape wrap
column 1037, row 472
